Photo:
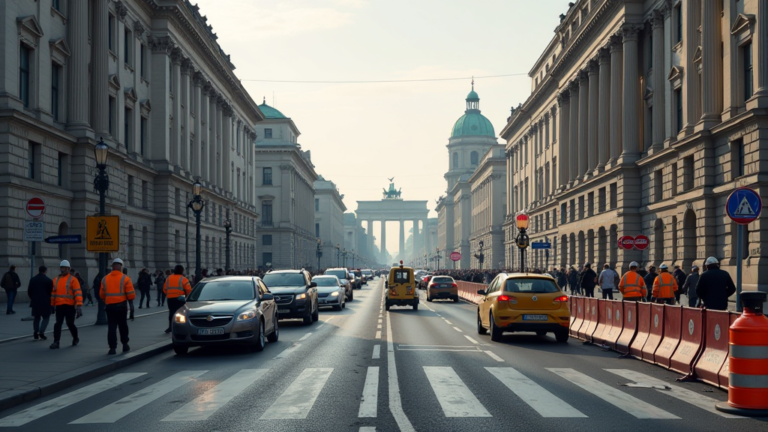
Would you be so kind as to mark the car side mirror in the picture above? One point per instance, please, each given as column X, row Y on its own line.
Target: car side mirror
column 313, row 284
column 267, row 296
column 481, row 292
column 181, row 299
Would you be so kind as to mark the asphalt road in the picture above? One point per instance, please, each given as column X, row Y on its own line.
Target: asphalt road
column 364, row 369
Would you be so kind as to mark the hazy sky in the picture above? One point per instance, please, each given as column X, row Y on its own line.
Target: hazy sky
column 360, row 134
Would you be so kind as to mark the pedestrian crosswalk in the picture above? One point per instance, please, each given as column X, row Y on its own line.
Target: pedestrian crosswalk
column 298, row 395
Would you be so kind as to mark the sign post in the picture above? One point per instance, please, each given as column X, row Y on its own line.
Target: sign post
column 743, row 206
column 34, row 230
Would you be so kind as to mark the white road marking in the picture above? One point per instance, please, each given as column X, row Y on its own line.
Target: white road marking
column 447, row 322
column 43, row 409
column 494, row 356
column 286, row 352
column 378, row 326
column 395, row 401
column 438, row 314
column 613, row 396
column 305, row 336
column 678, row 392
column 454, row 396
column 472, row 340
column 370, row 399
column 539, row 398
column 117, row 410
column 458, row 329
column 367, row 429
column 376, row 352
column 212, row 400
column 378, row 335
column 297, row 400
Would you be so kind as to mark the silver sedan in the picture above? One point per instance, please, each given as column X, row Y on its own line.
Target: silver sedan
column 330, row 292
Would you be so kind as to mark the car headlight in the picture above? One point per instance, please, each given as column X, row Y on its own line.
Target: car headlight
column 180, row 319
column 301, row 296
column 245, row 316
column 335, row 294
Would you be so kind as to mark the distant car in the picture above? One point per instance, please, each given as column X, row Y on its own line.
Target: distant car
column 356, row 284
column 368, row 273
column 331, row 292
column 226, row 310
column 442, row 288
column 359, row 275
column 342, row 275
column 295, row 294
column 424, row 281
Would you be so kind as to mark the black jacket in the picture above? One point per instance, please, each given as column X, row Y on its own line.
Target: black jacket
column 39, row 291
column 680, row 278
column 649, row 279
column 145, row 282
column 573, row 279
column 714, row 288
column 10, row 281
column 588, row 277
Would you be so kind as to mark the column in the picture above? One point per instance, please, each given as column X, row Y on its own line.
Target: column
column 584, row 108
column 176, row 59
column 383, row 248
column 603, row 111
column 77, row 76
column 761, row 78
column 631, row 138
column 401, row 252
column 227, row 149
column 594, row 94
column 416, row 238
column 197, row 150
column 690, row 77
column 573, row 141
column 100, row 69
column 616, row 99
column 221, row 170
column 369, row 252
column 213, row 169
column 563, row 106
column 712, row 61
column 186, row 70
column 659, row 81
column 205, row 123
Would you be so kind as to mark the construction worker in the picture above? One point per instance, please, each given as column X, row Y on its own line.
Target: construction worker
column 118, row 294
column 67, row 301
column 665, row 286
column 632, row 286
column 175, row 285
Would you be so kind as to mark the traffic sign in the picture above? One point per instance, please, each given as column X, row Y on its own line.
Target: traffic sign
column 103, row 234
column 64, row 239
column 626, row 242
column 35, row 207
column 455, row 256
column 34, row 231
column 744, row 206
column 541, row 245
column 641, row 242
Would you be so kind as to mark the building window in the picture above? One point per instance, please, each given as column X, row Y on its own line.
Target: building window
column 267, row 133
column 128, row 123
column 143, row 61
column 614, row 196
column 33, row 158
column 143, row 135
column 317, row 204
column 455, row 160
column 266, row 259
column 112, row 114
column 266, row 240
column 24, row 61
column 748, row 75
column 266, row 212
column 673, row 177
column 658, row 190
column 679, row 109
column 111, row 25
column 130, row 191
column 688, row 175
column 61, row 169
column 737, row 156
column 317, row 230
column 679, row 22
column 55, row 73
column 56, row 4
column 128, row 48
column 473, row 158
column 145, row 194
column 267, row 176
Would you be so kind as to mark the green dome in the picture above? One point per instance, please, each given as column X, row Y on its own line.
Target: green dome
column 472, row 123
column 473, row 95
column 271, row 113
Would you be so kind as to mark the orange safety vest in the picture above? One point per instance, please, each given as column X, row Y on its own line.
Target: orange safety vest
column 116, row 287
column 176, row 285
column 664, row 286
column 66, row 292
column 632, row 288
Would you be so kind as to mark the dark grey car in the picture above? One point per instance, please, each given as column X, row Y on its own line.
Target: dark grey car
column 295, row 294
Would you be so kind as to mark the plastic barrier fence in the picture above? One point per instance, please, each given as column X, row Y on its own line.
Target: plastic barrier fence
column 690, row 341
column 656, row 333
column 643, row 330
column 715, row 352
column 673, row 316
column 618, row 324
column 630, row 328
column 602, row 323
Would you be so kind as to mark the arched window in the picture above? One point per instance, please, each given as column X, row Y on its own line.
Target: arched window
column 455, row 160
column 473, row 158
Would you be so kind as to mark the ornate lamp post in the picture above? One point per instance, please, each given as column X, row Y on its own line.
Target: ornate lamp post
column 437, row 257
column 319, row 253
column 338, row 255
column 101, row 184
column 480, row 256
column 353, row 259
column 344, row 255
column 228, row 231
column 522, row 240
column 197, row 207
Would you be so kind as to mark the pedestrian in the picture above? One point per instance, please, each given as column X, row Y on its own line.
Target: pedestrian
column 679, row 276
column 145, row 285
column 10, row 283
column 588, row 280
column 689, row 287
column 562, row 279
column 118, row 294
column 159, row 282
column 607, row 281
column 715, row 286
column 39, row 291
column 175, row 285
column 97, row 285
column 649, row 279
column 664, row 286
column 573, row 281
column 67, row 298
column 85, row 287
column 632, row 285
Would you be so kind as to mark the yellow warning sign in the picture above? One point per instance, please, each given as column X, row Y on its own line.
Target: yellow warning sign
column 103, row 234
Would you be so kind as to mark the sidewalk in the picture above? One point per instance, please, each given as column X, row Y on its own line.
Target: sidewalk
column 30, row 369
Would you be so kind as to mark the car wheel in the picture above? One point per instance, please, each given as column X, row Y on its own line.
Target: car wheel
column 260, row 339
column 275, row 333
column 387, row 306
column 351, row 296
column 456, row 299
column 429, row 299
column 337, row 307
column 344, row 305
column 562, row 336
column 316, row 314
column 480, row 329
column 541, row 333
column 307, row 320
column 180, row 349
column 415, row 306
column 496, row 332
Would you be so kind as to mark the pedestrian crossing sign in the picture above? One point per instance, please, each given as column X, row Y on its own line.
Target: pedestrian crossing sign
column 103, row 234
column 744, row 205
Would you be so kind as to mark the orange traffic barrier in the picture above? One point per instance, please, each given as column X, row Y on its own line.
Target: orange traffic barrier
column 711, row 360
column 579, row 317
column 572, row 307
column 725, row 371
column 630, row 327
column 690, row 341
column 590, row 320
column 602, row 323
column 643, row 330
column 656, row 333
column 618, row 323
column 673, row 316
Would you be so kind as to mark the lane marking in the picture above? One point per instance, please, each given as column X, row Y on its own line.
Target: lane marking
column 297, row 400
column 212, row 400
column 378, row 335
column 376, row 352
column 43, row 409
column 367, row 429
column 447, row 322
column 613, row 396
column 494, row 356
column 458, row 329
column 537, row 397
column 378, row 326
column 117, row 410
column 454, row 396
column 370, row 399
column 472, row 340
column 286, row 352
column 685, row 395
column 395, row 401
column 305, row 336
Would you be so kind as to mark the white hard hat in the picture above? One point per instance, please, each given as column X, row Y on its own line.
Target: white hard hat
column 633, row 264
column 117, row 261
column 65, row 263
column 663, row 267
column 711, row 260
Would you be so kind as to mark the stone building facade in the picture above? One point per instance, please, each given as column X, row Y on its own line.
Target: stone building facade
column 643, row 117
column 329, row 220
column 489, row 190
column 149, row 78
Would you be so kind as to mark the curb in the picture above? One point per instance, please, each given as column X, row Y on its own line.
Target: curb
column 60, row 382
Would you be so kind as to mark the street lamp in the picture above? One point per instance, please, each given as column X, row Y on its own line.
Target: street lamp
column 101, row 184
column 197, row 207
column 353, row 259
column 228, row 231
column 480, row 256
column 338, row 256
column 319, row 253
column 521, row 220
column 344, row 254
column 437, row 257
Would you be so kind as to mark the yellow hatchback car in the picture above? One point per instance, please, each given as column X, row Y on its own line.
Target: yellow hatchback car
column 523, row 302
column 401, row 288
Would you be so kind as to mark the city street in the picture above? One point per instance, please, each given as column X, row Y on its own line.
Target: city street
column 366, row 369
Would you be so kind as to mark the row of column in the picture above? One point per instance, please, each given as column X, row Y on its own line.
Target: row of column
column 419, row 236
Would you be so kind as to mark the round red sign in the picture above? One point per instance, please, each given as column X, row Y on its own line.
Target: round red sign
column 642, row 242
column 35, row 207
column 455, row 256
column 627, row 242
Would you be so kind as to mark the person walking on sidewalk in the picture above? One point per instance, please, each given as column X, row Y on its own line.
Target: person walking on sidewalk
column 85, row 287
column 689, row 287
column 39, row 291
column 715, row 286
column 588, row 280
column 665, row 286
column 159, row 282
column 118, row 294
column 176, row 285
column 67, row 298
column 679, row 276
column 145, row 285
column 573, row 281
column 607, row 281
column 10, row 283
column 562, row 279
column 632, row 286
column 649, row 279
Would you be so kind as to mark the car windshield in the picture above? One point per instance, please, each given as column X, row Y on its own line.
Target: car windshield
column 283, row 279
column 341, row 274
column 326, row 281
column 223, row 290
column 442, row 280
column 538, row 286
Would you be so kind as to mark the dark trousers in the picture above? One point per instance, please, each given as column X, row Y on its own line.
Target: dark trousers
column 160, row 296
column 87, row 295
column 38, row 326
column 117, row 319
column 607, row 293
column 11, row 294
column 669, row 301
column 589, row 292
column 693, row 301
column 144, row 293
column 64, row 312
column 173, row 306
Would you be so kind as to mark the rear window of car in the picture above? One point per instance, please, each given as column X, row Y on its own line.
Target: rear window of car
column 523, row 285
column 402, row 276
column 326, row 281
column 341, row 274
column 442, row 280
column 284, row 279
column 223, row 290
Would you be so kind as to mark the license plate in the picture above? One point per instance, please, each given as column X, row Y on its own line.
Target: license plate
column 443, row 286
column 534, row 317
column 210, row 332
column 284, row 311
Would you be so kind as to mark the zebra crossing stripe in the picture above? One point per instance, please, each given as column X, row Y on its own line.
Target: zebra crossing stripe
column 539, row 398
column 297, row 400
column 212, row 400
column 454, row 396
column 613, row 396
column 370, row 399
column 43, row 409
column 115, row 411
column 376, row 352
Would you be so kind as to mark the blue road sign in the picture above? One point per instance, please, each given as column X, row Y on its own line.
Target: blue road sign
column 744, row 206
column 64, row 239
column 541, row 245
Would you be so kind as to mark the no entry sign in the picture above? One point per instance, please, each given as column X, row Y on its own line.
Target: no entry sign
column 455, row 256
column 626, row 242
column 641, row 242
column 35, row 207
